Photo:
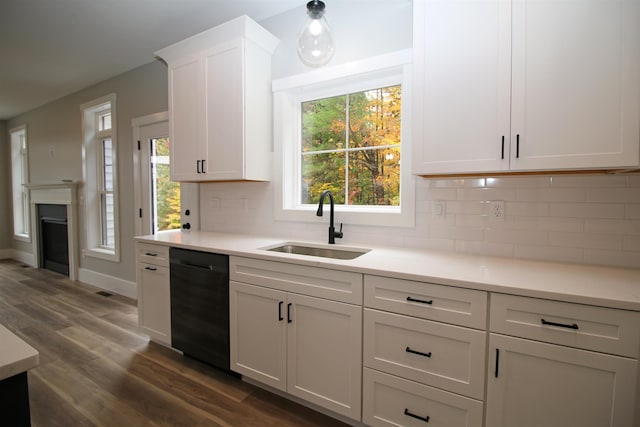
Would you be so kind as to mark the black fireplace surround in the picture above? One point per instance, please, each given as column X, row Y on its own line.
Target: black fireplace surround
column 53, row 238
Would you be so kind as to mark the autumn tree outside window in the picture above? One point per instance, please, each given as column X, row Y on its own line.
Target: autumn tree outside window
column 346, row 129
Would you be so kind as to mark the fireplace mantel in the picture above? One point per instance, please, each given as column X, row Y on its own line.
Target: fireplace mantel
column 56, row 193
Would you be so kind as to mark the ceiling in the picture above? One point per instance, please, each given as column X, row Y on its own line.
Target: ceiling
column 50, row 49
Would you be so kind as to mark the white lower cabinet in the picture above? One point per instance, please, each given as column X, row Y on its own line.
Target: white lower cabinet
column 154, row 304
column 393, row 401
column 562, row 382
column 533, row 384
column 419, row 370
column 306, row 346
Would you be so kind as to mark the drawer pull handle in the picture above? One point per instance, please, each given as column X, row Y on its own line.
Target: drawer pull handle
column 421, row 301
column 150, row 268
column 419, row 353
column 560, row 325
column 280, row 318
column 417, row 417
column 151, row 254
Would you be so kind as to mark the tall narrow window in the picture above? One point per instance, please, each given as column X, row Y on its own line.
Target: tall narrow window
column 19, row 181
column 100, row 176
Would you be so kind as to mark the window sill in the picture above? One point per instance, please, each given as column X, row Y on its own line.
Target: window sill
column 106, row 254
column 390, row 218
column 22, row 238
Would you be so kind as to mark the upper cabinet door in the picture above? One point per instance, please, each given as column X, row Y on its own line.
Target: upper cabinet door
column 186, row 117
column 576, row 76
column 462, row 80
column 224, row 71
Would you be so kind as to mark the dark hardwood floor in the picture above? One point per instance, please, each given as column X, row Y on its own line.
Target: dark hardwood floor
column 97, row 369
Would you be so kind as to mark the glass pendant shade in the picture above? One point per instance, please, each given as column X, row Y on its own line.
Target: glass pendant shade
column 315, row 44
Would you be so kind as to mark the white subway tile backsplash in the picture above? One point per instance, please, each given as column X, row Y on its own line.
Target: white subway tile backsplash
column 487, row 194
column 593, row 219
column 587, row 210
column 550, row 194
column 613, row 195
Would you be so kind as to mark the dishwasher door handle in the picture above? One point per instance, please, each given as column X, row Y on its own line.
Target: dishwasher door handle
column 201, row 267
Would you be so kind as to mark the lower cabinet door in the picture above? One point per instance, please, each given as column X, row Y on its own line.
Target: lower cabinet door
column 325, row 353
column 154, row 305
column 533, row 384
column 393, row 401
column 258, row 333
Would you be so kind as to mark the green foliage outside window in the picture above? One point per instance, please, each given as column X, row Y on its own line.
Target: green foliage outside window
column 167, row 191
column 351, row 146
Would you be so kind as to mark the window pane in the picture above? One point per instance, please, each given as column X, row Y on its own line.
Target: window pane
column 107, row 158
column 108, row 222
column 166, row 193
column 374, row 117
column 324, row 124
column 374, row 177
column 104, row 121
column 321, row 172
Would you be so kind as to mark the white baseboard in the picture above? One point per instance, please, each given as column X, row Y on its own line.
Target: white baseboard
column 24, row 257
column 108, row 283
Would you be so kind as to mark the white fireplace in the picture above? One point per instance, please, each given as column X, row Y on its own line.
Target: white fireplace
column 58, row 193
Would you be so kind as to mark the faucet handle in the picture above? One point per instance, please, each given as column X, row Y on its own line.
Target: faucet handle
column 338, row 234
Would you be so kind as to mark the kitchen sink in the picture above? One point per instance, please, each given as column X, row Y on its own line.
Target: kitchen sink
column 342, row 252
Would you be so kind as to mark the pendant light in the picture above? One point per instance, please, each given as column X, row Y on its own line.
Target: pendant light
column 315, row 44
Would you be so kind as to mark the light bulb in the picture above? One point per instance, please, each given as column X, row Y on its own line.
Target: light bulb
column 315, row 44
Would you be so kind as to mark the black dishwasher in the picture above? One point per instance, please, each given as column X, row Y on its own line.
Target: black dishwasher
column 200, row 305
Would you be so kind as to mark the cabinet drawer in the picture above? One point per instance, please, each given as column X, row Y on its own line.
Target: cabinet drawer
column 575, row 325
column 444, row 356
column 465, row 307
column 335, row 285
column 390, row 401
column 153, row 254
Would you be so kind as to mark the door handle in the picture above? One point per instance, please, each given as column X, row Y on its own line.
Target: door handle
column 280, row 318
column 289, row 313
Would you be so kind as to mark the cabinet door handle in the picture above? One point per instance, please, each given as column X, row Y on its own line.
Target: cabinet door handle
column 417, row 417
column 280, row 318
column 419, row 353
column 202, row 166
column 517, row 146
column 495, row 373
column 151, row 268
column 198, row 166
column 560, row 325
column 151, row 254
column 502, row 147
column 421, row 301
column 289, row 313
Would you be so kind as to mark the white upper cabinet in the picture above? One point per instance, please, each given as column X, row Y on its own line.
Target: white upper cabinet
column 526, row 85
column 220, row 103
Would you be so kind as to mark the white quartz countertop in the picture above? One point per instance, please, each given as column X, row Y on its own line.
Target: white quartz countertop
column 586, row 284
column 16, row 356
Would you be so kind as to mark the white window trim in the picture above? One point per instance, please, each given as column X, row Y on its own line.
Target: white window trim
column 90, row 171
column 380, row 71
column 25, row 211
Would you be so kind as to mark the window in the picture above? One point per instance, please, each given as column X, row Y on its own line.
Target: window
column 100, row 177
column 19, row 181
column 346, row 129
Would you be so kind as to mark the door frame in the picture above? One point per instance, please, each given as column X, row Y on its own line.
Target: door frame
column 142, row 228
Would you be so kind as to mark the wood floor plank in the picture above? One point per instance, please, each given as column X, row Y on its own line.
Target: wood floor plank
column 97, row 368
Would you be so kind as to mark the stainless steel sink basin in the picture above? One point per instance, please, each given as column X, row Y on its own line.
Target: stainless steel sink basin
column 341, row 252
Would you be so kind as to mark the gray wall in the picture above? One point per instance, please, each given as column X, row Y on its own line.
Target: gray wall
column 55, row 148
column 5, row 194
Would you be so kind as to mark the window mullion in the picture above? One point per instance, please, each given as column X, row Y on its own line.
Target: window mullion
column 348, row 145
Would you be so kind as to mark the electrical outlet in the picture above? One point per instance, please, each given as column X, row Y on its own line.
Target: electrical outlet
column 438, row 208
column 496, row 210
